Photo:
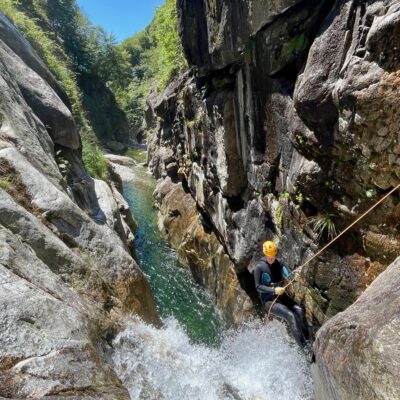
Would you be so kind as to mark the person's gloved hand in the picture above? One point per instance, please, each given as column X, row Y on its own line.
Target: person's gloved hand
column 279, row 290
column 296, row 277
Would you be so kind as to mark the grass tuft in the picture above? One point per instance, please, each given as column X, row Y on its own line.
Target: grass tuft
column 323, row 225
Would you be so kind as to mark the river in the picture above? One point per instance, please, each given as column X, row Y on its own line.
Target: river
column 194, row 355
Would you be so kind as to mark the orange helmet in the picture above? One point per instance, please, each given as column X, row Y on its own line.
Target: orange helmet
column 269, row 248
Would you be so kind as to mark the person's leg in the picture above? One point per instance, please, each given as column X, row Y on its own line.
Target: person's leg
column 284, row 313
column 299, row 314
column 301, row 318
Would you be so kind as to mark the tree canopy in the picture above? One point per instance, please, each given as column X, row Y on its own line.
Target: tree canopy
column 100, row 76
column 155, row 57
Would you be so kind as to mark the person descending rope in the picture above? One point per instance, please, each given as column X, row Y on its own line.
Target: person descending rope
column 269, row 277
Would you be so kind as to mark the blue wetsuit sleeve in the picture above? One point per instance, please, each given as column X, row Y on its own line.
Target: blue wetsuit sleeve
column 285, row 272
column 259, row 284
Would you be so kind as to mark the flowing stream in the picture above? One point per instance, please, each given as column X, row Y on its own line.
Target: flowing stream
column 195, row 356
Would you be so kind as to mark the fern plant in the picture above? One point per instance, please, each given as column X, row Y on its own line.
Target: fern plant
column 323, row 225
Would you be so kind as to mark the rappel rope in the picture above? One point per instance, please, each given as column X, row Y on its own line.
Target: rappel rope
column 298, row 269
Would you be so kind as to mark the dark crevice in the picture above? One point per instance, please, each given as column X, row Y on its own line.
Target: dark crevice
column 235, row 203
column 246, row 281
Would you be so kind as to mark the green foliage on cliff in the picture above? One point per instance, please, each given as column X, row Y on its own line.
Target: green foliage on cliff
column 4, row 182
column 155, row 57
column 169, row 58
column 71, row 47
column 324, row 226
column 48, row 49
column 93, row 158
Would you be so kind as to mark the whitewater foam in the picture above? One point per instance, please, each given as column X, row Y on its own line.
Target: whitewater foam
column 251, row 363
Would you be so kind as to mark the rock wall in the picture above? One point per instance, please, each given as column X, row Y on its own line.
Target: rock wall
column 286, row 128
column 67, row 277
column 199, row 250
column 357, row 350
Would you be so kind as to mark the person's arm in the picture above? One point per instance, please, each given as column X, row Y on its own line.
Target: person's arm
column 285, row 271
column 258, row 283
column 289, row 275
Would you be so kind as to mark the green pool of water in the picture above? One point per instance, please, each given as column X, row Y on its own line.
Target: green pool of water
column 176, row 294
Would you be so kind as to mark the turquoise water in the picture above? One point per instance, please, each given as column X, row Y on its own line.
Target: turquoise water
column 176, row 294
column 193, row 356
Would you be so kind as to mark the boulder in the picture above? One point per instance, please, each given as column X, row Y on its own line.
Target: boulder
column 46, row 344
column 357, row 351
column 122, row 160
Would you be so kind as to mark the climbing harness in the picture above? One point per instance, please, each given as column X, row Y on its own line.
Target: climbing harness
column 298, row 269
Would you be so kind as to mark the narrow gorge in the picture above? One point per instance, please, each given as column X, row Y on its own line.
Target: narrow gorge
column 282, row 124
column 286, row 122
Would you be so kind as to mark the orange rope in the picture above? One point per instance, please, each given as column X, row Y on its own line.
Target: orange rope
column 332, row 241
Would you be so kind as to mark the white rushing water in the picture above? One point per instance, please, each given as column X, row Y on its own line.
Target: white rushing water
column 252, row 363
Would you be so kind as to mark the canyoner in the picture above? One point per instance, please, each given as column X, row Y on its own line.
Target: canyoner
column 272, row 279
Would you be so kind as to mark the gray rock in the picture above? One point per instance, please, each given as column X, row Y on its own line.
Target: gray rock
column 22, row 48
column 284, row 41
column 122, row 160
column 216, row 34
column 22, row 129
column 46, row 345
column 313, row 95
column 357, row 351
column 43, row 100
column 48, row 247
column 111, row 258
column 110, row 209
column 67, row 278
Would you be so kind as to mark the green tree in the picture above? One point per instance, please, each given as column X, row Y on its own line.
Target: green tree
column 55, row 29
column 169, row 58
column 155, row 56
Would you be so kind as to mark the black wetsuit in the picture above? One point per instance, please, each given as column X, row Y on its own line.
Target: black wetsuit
column 267, row 277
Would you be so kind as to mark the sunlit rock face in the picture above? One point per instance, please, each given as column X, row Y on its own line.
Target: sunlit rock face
column 357, row 350
column 274, row 132
column 199, row 250
column 66, row 274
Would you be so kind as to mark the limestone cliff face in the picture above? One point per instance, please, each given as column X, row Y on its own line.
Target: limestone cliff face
column 66, row 273
column 289, row 118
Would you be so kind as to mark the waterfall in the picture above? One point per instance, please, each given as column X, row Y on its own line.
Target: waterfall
column 251, row 363
column 193, row 356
